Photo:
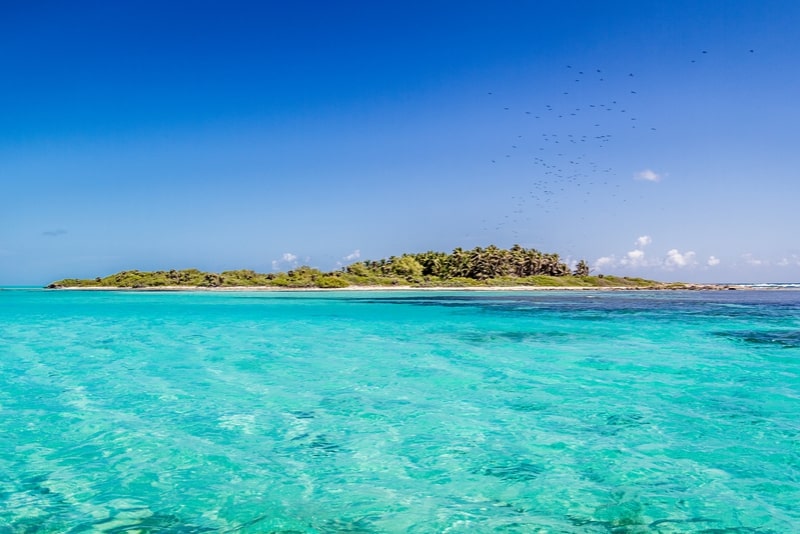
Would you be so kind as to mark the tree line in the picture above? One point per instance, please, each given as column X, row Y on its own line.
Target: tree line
column 478, row 264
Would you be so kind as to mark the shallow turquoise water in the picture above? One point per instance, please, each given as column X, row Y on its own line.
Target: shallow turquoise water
column 400, row 412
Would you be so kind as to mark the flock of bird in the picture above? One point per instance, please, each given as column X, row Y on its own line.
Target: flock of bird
column 562, row 142
column 560, row 158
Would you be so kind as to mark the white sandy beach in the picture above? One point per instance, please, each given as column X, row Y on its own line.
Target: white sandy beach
column 693, row 287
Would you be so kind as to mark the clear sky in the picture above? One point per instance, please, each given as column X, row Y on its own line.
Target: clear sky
column 655, row 139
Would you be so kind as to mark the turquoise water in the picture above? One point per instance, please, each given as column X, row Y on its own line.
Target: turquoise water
column 400, row 412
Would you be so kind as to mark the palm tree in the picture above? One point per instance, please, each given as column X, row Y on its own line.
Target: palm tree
column 457, row 264
column 433, row 263
column 582, row 269
column 497, row 261
column 532, row 262
column 553, row 265
column 517, row 260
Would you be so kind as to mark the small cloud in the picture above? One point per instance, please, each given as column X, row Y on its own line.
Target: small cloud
column 605, row 261
column 794, row 259
column 648, row 176
column 678, row 259
column 712, row 261
column 54, row 233
column 634, row 258
column 643, row 241
column 636, row 255
column 287, row 260
column 751, row 260
column 353, row 255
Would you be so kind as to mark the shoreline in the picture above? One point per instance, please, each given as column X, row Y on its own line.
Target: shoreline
column 262, row 289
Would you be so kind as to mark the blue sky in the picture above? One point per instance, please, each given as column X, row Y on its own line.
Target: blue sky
column 654, row 139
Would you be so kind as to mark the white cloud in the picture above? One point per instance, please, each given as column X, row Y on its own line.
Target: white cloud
column 752, row 260
column 353, row 255
column 638, row 258
column 287, row 260
column 634, row 258
column 648, row 175
column 794, row 259
column 605, row 261
column 636, row 255
column 678, row 259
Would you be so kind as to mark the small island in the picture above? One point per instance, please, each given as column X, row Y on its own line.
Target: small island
column 489, row 267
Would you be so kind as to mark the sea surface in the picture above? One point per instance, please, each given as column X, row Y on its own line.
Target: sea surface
column 557, row 412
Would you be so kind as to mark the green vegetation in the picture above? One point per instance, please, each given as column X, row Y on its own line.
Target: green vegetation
column 479, row 267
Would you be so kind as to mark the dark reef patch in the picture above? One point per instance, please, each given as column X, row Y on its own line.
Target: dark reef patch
column 515, row 337
column 522, row 471
column 788, row 339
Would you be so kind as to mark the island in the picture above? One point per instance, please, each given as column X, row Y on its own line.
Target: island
column 481, row 267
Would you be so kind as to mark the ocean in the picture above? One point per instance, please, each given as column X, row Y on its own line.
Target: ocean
column 557, row 412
